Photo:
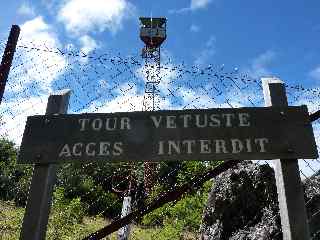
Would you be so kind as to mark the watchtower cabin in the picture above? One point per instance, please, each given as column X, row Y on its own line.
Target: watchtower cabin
column 152, row 33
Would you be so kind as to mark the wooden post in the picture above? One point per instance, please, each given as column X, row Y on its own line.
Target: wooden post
column 290, row 193
column 8, row 57
column 44, row 176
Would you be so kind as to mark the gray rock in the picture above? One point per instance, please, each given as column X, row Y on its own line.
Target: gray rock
column 243, row 205
column 312, row 199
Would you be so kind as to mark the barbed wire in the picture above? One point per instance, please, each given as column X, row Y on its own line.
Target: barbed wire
column 114, row 82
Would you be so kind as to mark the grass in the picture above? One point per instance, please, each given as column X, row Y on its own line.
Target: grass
column 11, row 220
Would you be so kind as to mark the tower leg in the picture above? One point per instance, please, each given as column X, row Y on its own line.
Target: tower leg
column 150, row 103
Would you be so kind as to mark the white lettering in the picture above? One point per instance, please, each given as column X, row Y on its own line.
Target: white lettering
column 76, row 151
column 117, row 149
column 160, row 149
column 156, row 121
column 186, row 118
column 237, row 145
column 244, row 120
column 261, row 142
column 104, row 149
column 96, row 124
column 125, row 123
column 174, row 145
column 171, row 122
column 228, row 118
column 215, row 122
column 208, row 146
column 221, row 146
column 248, row 144
column 83, row 122
column 204, row 121
column 108, row 127
column 190, row 144
column 90, row 152
column 204, row 146
column 65, row 151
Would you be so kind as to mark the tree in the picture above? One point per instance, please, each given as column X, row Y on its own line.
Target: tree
column 14, row 178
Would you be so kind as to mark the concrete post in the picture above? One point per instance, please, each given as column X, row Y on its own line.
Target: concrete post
column 124, row 232
column 290, row 193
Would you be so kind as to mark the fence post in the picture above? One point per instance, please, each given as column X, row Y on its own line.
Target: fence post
column 290, row 192
column 124, row 232
column 44, row 176
column 8, row 57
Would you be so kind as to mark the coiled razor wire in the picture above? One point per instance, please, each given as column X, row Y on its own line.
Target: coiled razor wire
column 112, row 82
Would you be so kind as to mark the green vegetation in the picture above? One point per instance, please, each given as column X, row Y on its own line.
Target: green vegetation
column 14, row 179
column 66, row 226
column 10, row 220
column 84, row 200
column 61, row 225
column 182, row 219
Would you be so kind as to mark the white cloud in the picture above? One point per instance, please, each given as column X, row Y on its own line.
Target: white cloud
column 165, row 76
column 30, row 81
column 194, row 5
column 259, row 66
column 193, row 99
column 162, row 89
column 26, row 10
column 88, row 44
column 35, row 26
column 14, row 115
column 245, row 93
column 315, row 73
column 83, row 16
column 179, row 93
column 200, row 99
column 38, row 67
column 197, row 4
column 207, row 53
column 194, row 28
column 128, row 99
column 52, row 6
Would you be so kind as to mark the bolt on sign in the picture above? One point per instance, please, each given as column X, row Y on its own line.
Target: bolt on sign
column 204, row 134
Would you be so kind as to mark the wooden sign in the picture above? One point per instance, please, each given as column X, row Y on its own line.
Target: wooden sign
column 207, row 134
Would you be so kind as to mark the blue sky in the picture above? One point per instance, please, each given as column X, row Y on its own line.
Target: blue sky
column 259, row 38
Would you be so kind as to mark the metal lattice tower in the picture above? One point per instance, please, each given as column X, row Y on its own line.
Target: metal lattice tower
column 153, row 34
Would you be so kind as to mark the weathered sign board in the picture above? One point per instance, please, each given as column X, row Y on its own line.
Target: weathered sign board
column 207, row 134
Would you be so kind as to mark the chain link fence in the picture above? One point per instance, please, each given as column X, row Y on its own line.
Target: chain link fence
column 112, row 82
